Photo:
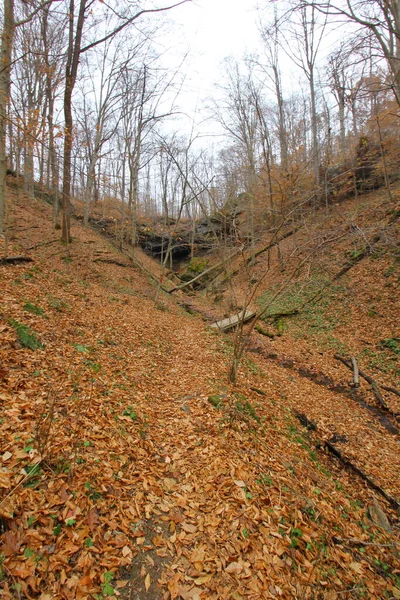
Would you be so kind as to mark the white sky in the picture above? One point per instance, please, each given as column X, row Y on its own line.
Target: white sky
column 212, row 30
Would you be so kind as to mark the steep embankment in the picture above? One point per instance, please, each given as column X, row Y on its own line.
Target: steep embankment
column 130, row 467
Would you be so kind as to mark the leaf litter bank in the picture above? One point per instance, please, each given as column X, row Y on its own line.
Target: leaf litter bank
column 120, row 477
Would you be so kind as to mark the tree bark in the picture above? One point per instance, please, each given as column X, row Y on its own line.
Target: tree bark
column 7, row 36
column 74, row 49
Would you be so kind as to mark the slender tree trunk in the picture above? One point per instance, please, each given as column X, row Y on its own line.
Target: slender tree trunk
column 314, row 128
column 74, row 47
column 281, row 119
column 7, row 36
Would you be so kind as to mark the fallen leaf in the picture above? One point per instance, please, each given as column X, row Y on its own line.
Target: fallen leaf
column 234, row 568
column 147, row 582
column 239, row 483
column 357, row 568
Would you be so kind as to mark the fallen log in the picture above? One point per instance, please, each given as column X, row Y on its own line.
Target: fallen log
column 393, row 390
column 14, row 260
column 234, row 320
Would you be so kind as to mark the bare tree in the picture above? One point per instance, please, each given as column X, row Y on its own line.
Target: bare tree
column 76, row 48
column 380, row 18
column 272, row 71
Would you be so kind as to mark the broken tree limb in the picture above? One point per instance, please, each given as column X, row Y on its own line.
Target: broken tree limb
column 350, row 264
column 43, row 244
column 356, row 374
column 275, row 242
column 14, row 260
column 355, row 542
column 393, row 390
column 373, row 384
column 347, row 462
column 283, row 313
column 111, row 261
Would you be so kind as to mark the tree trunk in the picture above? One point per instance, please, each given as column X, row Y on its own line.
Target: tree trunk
column 5, row 59
column 74, row 48
column 314, row 127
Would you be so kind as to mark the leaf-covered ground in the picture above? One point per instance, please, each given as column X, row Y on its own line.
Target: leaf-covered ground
column 130, row 468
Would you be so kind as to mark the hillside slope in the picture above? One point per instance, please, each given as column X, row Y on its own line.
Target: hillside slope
column 130, row 468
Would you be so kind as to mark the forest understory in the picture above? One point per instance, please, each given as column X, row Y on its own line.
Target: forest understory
column 132, row 468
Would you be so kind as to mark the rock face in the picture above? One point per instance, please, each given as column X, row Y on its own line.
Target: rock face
column 180, row 240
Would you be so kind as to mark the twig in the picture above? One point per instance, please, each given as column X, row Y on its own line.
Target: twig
column 43, row 244
column 390, row 389
column 31, row 472
column 353, row 541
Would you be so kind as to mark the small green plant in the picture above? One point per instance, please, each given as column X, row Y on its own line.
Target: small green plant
column 82, row 348
column 34, row 473
column 27, row 275
column 197, row 265
column 106, row 587
column 2, row 557
column 129, row 412
column 392, row 344
column 28, row 552
column 57, row 303
column 35, row 310
column 245, row 407
column 295, row 534
column 216, row 401
column 96, row 367
column 26, row 336
column 264, row 479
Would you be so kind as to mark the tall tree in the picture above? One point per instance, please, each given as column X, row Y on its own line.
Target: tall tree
column 6, row 48
column 75, row 49
column 380, row 18
column 7, row 36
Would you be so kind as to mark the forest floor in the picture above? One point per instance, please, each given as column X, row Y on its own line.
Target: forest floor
column 131, row 468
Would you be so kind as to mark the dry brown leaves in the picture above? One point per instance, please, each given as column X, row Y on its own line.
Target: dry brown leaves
column 118, row 476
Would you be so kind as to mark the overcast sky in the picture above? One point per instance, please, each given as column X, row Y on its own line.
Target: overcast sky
column 211, row 30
